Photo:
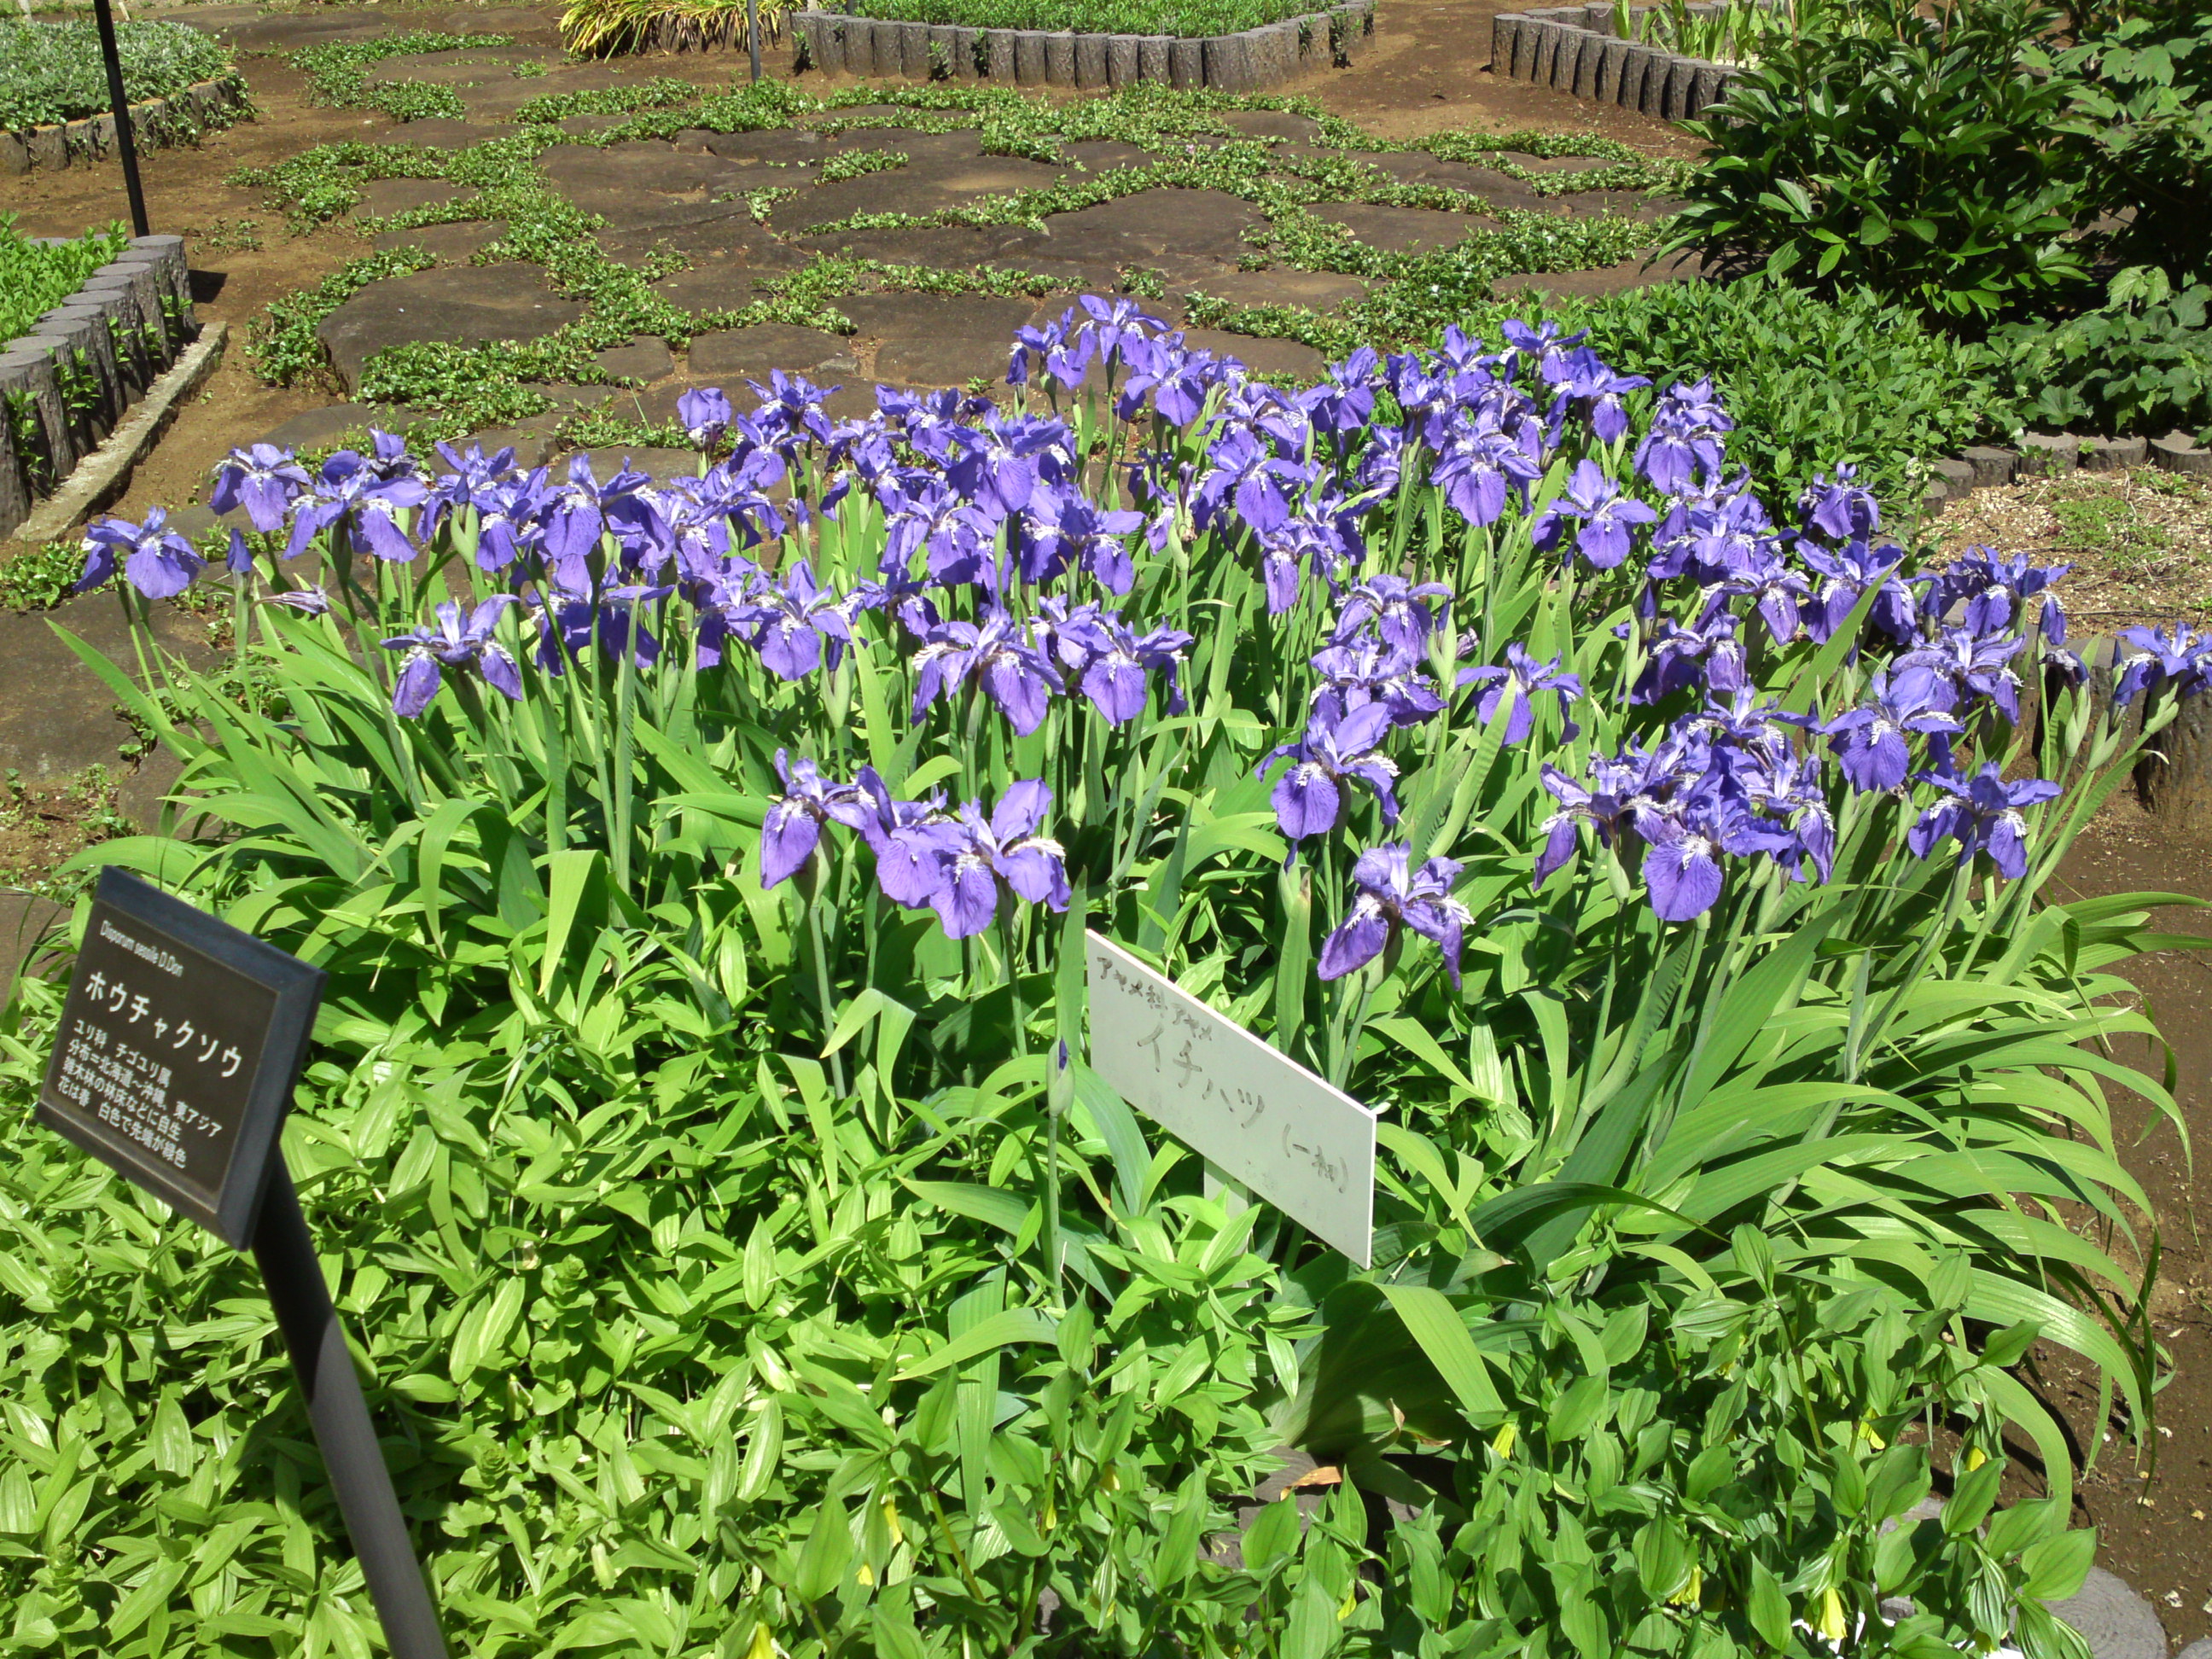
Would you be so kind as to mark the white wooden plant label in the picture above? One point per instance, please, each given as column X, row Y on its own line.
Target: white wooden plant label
column 1307, row 1148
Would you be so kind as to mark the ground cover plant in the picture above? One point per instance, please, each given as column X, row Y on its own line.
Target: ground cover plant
column 476, row 387
column 36, row 276
column 339, row 73
column 743, row 1257
column 51, row 72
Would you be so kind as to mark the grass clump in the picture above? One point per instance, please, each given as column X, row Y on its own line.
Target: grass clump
column 35, row 277
column 53, row 72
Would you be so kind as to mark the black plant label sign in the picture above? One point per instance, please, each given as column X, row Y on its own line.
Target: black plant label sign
column 179, row 1046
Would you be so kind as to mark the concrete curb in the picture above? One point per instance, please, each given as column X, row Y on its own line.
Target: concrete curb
column 1574, row 50
column 2048, row 454
column 106, row 473
column 836, row 43
column 181, row 118
column 66, row 385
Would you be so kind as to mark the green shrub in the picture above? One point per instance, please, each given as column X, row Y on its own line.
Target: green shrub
column 1921, row 165
column 2141, row 362
column 1816, row 379
column 36, row 277
column 2140, row 115
column 51, row 72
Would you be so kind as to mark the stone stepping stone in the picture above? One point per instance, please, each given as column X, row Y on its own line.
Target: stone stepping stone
column 2115, row 1621
column 1208, row 224
column 964, row 146
column 1319, row 290
column 1073, row 277
column 730, row 357
column 710, row 287
column 463, row 66
column 318, row 429
column 583, row 126
column 1272, row 123
column 450, row 244
column 1279, row 361
column 250, row 28
column 921, row 187
column 938, row 339
column 466, row 305
column 436, row 132
column 605, row 463
column 1555, row 163
column 644, row 358
column 567, row 399
column 381, row 198
column 1102, row 154
column 498, row 98
column 949, row 247
column 1622, row 278
column 56, row 717
column 1403, row 230
column 789, row 149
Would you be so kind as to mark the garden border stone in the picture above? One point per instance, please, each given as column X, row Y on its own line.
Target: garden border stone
column 1577, row 50
column 181, row 117
column 838, row 43
column 127, row 322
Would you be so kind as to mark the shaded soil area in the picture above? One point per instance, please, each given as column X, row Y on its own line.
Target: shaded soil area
column 2151, row 1516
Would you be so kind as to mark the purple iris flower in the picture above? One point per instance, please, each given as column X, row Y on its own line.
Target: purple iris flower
column 705, row 413
column 1609, row 518
column 238, row 557
column 1967, row 666
column 1312, row 537
column 1067, row 361
column 1479, row 464
column 1990, row 586
column 155, row 559
column 1683, row 657
column 1870, row 740
column 1779, row 593
column 791, row 621
column 792, row 827
column 1584, row 380
column 1516, row 686
column 263, row 479
column 1079, row 532
column 1844, row 511
column 1344, row 402
column 2182, row 660
column 1176, row 378
column 1243, row 471
column 453, row 643
column 1310, row 799
column 1004, row 849
column 790, row 409
column 1014, row 673
column 352, row 491
column 1681, row 861
column 1111, row 664
column 923, row 514
column 999, row 464
column 1983, row 816
column 1849, row 570
column 1399, row 608
column 1617, row 786
column 914, row 841
column 1367, row 670
column 476, row 480
column 1684, row 437
column 309, row 601
column 1392, row 896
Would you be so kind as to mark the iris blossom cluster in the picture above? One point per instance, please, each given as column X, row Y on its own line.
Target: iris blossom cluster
column 1032, row 582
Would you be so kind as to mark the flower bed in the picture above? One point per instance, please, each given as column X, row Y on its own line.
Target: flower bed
column 1243, row 61
column 76, row 367
column 699, row 1131
column 54, row 105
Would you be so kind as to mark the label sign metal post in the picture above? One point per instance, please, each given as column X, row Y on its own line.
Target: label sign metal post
column 174, row 1062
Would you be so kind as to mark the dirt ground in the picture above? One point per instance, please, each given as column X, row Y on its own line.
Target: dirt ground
column 2152, row 1518
column 1426, row 70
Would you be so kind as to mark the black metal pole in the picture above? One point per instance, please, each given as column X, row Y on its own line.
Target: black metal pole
column 752, row 31
column 126, row 145
column 286, row 1255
